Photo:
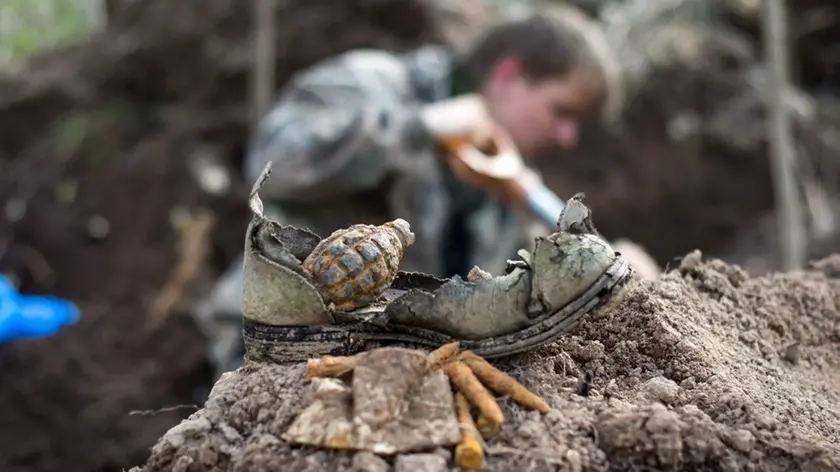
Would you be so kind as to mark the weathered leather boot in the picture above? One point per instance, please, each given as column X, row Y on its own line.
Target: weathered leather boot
column 570, row 273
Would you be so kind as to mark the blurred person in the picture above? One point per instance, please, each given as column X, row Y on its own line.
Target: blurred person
column 354, row 139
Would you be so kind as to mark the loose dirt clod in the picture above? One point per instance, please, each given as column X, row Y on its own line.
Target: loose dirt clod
column 686, row 373
column 390, row 406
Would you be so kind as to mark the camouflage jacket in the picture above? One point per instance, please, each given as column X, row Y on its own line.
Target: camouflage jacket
column 346, row 147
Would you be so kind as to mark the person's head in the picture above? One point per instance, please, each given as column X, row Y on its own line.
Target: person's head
column 542, row 76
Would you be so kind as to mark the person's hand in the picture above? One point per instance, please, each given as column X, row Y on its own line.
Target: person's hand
column 464, row 116
column 487, row 159
column 479, row 152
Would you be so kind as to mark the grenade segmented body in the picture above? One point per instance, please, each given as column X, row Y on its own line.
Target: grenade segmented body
column 354, row 266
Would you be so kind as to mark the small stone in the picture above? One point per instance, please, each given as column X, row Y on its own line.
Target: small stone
column 691, row 261
column 749, row 337
column 575, row 460
column 791, row 353
column 667, row 334
column 693, row 410
column 661, row 390
column 763, row 420
column 420, row 463
column 611, row 389
column 531, row 429
column 740, row 439
column 369, row 462
column 477, row 275
column 584, row 384
column 588, row 351
column 230, row 434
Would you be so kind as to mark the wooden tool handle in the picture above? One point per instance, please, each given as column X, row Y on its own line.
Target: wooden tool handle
column 518, row 185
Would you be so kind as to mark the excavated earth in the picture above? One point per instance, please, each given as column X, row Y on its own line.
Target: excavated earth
column 109, row 131
column 705, row 369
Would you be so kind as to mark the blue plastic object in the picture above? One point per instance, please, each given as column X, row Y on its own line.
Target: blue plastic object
column 32, row 316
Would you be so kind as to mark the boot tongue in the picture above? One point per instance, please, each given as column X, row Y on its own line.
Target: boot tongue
column 576, row 217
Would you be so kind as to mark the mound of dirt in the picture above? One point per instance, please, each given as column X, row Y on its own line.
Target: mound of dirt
column 704, row 370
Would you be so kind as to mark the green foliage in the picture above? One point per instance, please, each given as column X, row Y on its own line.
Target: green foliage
column 27, row 26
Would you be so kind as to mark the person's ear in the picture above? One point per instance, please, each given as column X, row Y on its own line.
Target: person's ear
column 506, row 69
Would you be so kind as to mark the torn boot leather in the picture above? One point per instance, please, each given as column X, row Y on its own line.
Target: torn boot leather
column 537, row 299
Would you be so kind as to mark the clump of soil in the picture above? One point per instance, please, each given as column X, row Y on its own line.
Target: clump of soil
column 705, row 369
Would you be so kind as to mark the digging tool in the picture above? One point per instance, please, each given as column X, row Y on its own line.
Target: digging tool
column 489, row 167
column 486, row 167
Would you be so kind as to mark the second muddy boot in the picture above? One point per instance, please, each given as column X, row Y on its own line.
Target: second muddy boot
column 538, row 298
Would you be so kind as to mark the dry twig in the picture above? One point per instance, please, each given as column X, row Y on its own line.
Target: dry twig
column 193, row 247
column 167, row 409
